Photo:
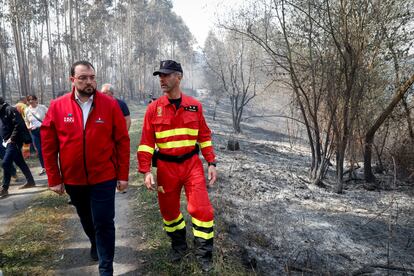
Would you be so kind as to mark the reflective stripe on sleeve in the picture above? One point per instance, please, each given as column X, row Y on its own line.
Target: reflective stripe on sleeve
column 205, row 144
column 146, row 148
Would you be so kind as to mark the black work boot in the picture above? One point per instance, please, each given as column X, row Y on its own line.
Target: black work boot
column 94, row 253
column 178, row 245
column 204, row 253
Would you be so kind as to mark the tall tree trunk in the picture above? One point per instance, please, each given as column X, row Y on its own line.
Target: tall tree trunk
column 20, row 56
column 51, row 51
column 61, row 72
column 370, row 134
column 409, row 120
column 2, row 76
column 72, row 46
column 39, row 61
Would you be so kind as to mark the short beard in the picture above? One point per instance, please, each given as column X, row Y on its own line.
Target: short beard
column 86, row 93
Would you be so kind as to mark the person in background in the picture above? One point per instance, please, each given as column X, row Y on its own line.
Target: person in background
column 13, row 168
column 35, row 113
column 175, row 124
column 86, row 151
column 21, row 106
column 14, row 133
column 108, row 89
column 60, row 94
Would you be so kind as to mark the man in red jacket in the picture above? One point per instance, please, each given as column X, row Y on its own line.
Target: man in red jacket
column 85, row 146
column 175, row 124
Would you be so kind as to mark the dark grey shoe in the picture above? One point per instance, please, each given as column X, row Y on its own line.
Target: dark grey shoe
column 27, row 185
column 3, row 192
column 94, row 253
column 175, row 256
column 205, row 264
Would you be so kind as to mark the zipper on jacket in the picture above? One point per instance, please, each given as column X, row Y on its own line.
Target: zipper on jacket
column 84, row 153
column 84, row 140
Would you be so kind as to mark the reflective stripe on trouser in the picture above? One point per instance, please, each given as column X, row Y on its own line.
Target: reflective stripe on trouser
column 176, row 231
column 190, row 174
column 203, row 238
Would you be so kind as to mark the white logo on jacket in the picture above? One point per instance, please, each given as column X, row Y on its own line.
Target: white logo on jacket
column 68, row 119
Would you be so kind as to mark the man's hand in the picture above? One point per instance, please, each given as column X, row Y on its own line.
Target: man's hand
column 149, row 181
column 122, row 185
column 212, row 175
column 59, row 189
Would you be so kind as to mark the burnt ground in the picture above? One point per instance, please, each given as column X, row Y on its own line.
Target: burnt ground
column 285, row 225
column 278, row 222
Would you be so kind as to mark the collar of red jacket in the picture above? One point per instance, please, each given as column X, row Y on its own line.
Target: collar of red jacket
column 185, row 100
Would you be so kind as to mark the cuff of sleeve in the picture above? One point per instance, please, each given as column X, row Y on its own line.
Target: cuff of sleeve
column 54, row 183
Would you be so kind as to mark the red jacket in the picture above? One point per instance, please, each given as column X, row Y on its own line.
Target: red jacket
column 74, row 155
column 174, row 132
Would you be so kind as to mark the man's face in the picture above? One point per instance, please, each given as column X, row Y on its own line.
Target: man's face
column 105, row 90
column 169, row 81
column 84, row 80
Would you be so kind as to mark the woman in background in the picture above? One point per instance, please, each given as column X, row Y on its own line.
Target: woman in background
column 35, row 113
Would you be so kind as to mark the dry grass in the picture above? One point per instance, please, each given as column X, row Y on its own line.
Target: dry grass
column 34, row 237
column 149, row 223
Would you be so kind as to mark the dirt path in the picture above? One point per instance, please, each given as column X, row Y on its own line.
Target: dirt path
column 18, row 200
column 75, row 258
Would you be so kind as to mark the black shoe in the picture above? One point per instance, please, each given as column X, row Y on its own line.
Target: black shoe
column 94, row 253
column 175, row 256
column 205, row 264
column 3, row 192
column 27, row 185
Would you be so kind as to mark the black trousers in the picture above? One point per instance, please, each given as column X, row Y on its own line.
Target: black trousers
column 14, row 154
column 95, row 205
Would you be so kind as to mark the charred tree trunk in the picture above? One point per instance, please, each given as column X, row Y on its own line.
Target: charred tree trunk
column 409, row 120
column 370, row 134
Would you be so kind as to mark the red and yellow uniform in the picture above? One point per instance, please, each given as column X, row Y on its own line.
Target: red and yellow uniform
column 176, row 132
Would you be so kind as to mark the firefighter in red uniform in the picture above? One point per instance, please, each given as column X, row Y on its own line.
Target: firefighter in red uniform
column 175, row 125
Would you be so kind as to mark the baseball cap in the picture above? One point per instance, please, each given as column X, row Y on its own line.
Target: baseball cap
column 168, row 67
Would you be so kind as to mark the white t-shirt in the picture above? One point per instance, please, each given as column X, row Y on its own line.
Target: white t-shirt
column 35, row 116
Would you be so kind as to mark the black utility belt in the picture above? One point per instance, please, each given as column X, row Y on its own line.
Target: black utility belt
column 176, row 159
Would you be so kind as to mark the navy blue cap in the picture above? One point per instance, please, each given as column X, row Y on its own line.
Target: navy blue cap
column 168, row 67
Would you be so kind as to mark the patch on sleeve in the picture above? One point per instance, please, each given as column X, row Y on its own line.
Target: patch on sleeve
column 191, row 108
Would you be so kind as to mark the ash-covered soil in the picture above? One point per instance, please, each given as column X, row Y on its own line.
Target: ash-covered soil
column 284, row 225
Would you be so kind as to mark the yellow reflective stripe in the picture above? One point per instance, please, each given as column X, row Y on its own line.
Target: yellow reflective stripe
column 176, row 131
column 205, row 224
column 175, row 228
column 176, row 144
column 203, row 235
column 205, row 144
column 173, row 221
column 146, row 149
